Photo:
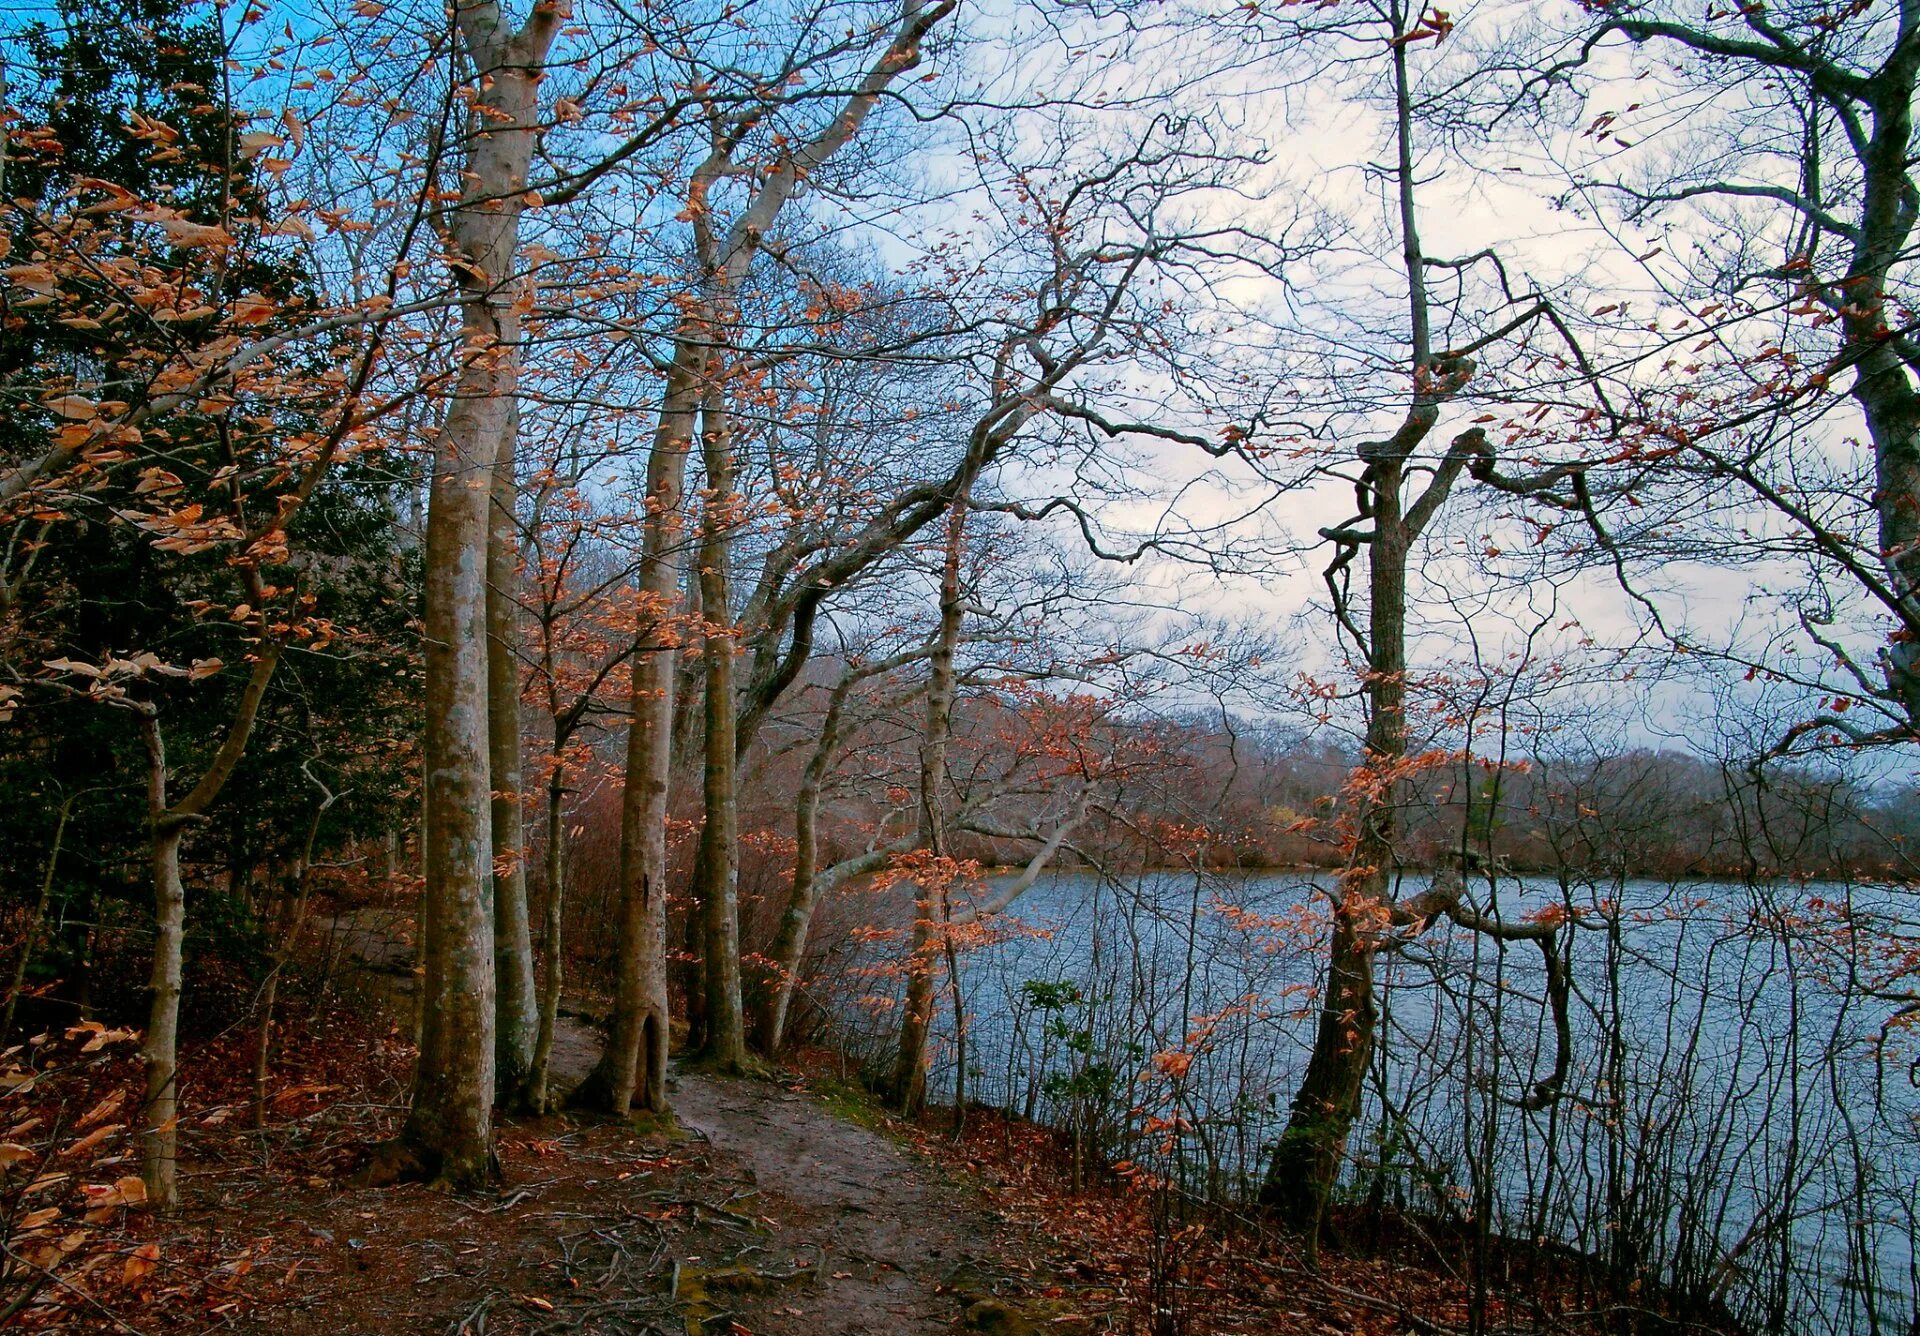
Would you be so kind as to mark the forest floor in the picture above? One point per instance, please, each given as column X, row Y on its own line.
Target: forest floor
column 776, row 1206
column 783, row 1206
column 769, row 1213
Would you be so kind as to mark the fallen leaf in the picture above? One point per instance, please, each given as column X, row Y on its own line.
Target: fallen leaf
column 128, row 1191
column 101, row 1110
column 139, row 1263
column 92, row 1139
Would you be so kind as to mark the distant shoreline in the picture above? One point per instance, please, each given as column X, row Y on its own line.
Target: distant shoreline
column 1706, row 876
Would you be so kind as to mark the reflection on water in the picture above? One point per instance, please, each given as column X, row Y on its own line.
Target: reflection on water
column 1739, row 1120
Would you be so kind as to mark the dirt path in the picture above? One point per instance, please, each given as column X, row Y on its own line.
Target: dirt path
column 895, row 1248
column 831, row 1228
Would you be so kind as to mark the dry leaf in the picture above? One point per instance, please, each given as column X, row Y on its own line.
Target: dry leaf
column 128, row 1191
column 73, row 407
column 92, row 1139
column 140, row 1263
column 102, row 1109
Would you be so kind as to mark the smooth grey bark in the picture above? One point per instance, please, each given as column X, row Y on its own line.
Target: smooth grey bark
column 634, row 1063
column 448, row 1133
column 167, row 824
column 719, row 886
column 517, row 1022
column 160, row 1107
column 632, row 1070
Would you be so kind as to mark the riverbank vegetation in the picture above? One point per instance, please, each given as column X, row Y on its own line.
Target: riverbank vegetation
column 1312, row 606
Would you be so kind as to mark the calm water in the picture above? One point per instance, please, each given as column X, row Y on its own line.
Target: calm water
column 1730, row 1102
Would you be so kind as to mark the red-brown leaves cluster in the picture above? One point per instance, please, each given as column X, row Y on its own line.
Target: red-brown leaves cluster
column 82, row 1249
column 68, row 1177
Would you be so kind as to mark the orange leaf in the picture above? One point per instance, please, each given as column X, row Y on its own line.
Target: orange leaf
column 102, row 1109
column 139, row 1263
column 92, row 1139
column 73, row 407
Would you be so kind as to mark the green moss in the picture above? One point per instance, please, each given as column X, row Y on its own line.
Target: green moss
column 748, row 1069
column 855, row 1104
column 1002, row 1315
column 996, row 1317
column 663, row 1126
column 698, row 1291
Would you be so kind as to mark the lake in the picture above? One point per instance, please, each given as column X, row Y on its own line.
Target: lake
column 1737, row 1118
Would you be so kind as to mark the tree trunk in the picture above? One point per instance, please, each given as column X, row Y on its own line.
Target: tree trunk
column 1882, row 383
column 1877, row 110
column 908, row 1091
column 167, row 825
column 633, row 1068
column 640, row 995
column 726, row 1045
column 689, row 744
column 537, row 1095
column 789, row 946
column 160, row 1109
column 422, row 926
column 1306, row 1163
column 788, row 951
column 692, row 958
column 512, row 938
column 448, row 1133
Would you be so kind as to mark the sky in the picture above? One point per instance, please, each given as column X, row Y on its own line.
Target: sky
column 1307, row 117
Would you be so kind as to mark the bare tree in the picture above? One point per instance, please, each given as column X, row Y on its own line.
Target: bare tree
column 1759, row 181
column 448, row 1134
column 633, row 1068
column 1398, row 495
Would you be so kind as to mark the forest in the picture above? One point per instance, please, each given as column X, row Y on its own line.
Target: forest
column 880, row 666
